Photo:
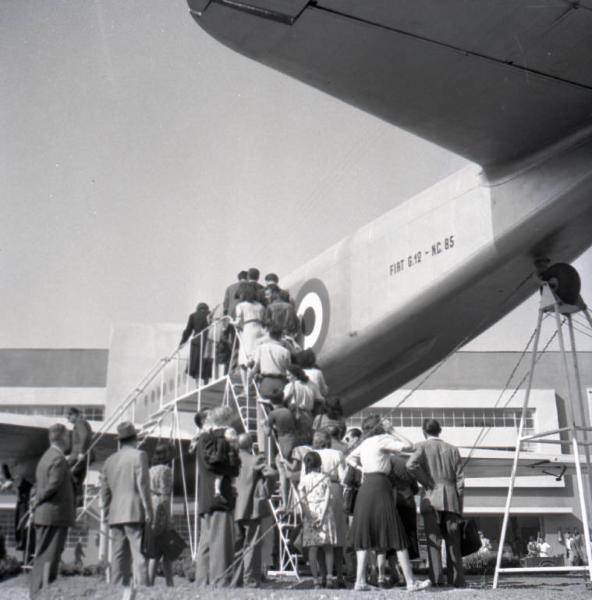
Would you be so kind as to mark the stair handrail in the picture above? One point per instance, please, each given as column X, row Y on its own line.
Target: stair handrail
column 149, row 377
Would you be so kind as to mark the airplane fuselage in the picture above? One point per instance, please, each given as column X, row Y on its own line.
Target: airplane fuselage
column 393, row 299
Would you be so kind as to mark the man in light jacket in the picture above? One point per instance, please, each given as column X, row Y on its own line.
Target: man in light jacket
column 126, row 497
column 438, row 467
column 53, row 508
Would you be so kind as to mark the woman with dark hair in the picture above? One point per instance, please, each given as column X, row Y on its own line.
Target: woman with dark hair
column 332, row 416
column 299, row 395
column 318, row 520
column 161, row 488
column 376, row 522
column 249, row 321
column 308, row 361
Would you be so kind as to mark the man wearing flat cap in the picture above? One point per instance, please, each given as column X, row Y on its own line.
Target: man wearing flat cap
column 126, row 497
column 53, row 508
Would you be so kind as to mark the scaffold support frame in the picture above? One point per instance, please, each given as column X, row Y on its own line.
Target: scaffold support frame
column 550, row 303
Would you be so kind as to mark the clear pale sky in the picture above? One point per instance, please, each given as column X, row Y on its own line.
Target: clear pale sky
column 143, row 164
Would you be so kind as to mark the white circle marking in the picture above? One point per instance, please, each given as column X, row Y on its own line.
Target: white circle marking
column 313, row 301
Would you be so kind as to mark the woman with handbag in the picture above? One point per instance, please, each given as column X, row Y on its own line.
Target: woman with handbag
column 376, row 524
column 161, row 488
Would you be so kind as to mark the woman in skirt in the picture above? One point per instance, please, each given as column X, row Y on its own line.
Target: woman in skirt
column 376, row 522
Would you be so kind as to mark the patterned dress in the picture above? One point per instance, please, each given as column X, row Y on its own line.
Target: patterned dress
column 161, row 488
column 315, row 486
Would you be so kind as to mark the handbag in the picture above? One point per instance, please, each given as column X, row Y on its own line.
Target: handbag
column 349, row 499
column 149, row 546
column 470, row 541
column 171, row 544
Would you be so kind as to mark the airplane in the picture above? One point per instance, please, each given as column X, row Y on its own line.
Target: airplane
column 506, row 85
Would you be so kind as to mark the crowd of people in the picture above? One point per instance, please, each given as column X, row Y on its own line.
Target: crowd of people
column 353, row 493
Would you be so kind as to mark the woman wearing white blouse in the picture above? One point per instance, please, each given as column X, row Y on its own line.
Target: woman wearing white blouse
column 376, row 522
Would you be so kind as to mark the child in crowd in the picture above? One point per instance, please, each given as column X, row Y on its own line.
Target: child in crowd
column 319, row 529
column 223, row 451
column 221, row 444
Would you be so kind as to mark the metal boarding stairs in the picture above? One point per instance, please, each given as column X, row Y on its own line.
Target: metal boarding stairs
column 163, row 405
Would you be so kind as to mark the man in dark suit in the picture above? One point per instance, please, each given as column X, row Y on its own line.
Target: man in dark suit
column 53, row 508
column 216, row 539
column 251, row 507
column 77, row 459
column 231, row 294
column 253, row 280
column 438, row 466
column 126, row 497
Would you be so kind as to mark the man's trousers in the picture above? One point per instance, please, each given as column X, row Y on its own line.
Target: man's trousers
column 126, row 555
column 215, row 549
column 50, row 545
column 444, row 525
column 248, row 548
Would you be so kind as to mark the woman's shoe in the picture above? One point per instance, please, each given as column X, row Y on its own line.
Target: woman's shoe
column 362, row 587
column 418, row 585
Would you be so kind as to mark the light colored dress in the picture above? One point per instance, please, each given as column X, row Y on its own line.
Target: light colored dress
column 315, row 486
column 249, row 319
column 161, row 488
column 333, row 465
column 316, row 376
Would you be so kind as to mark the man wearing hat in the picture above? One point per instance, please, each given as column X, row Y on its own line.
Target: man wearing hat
column 126, row 498
column 53, row 508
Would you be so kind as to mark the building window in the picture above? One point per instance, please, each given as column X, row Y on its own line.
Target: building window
column 450, row 417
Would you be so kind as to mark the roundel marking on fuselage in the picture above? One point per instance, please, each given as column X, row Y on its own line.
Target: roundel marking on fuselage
column 314, row 311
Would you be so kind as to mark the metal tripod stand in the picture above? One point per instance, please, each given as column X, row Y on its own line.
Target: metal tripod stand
column 578, row 428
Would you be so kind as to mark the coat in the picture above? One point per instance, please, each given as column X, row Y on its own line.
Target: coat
column 231, row 298
column 54, row 499
column 81, row 437
column 251, row 499
column 227, row 468
column 442, row 469
column 125, row 487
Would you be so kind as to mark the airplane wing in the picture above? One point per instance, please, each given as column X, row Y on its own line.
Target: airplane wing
column 498, row 463
column 23, row 439
column 493, row 81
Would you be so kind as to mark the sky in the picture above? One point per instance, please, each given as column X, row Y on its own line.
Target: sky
column 143, row 164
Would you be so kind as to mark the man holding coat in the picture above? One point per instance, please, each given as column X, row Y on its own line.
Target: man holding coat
column 441, row 507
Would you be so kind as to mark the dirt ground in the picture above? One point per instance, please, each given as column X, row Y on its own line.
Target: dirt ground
column 91, row 588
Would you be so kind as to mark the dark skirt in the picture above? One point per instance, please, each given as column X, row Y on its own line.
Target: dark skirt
column 376, row 523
